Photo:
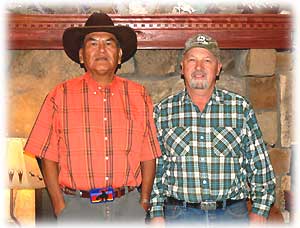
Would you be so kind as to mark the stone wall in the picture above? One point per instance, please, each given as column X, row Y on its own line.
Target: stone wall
column 265, row 77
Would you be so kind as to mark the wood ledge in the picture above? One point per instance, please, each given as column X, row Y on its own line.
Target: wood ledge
column 165, row 31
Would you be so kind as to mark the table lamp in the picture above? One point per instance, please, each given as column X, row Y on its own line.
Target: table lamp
column 23, row 171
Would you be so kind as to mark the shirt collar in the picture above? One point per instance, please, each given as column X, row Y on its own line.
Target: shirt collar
column 95, row 86
column 216, row 97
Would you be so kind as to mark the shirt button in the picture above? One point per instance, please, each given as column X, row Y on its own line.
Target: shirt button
column 201, row 137
column 202, row 159
column 105, row 138
column 112, row 94
column 99, row 87
column 106, row 158
column 106, row 178
column 105, row 119
column 95, row 92
column 204, row 182
column 104, row 99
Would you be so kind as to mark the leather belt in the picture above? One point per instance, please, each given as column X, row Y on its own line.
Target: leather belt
column 204, row 205
column 119, row 192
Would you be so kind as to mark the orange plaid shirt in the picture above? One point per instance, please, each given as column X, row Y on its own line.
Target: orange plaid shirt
column 98, row 135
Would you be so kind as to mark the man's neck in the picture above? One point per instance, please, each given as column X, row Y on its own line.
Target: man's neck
column 200, row 97
column 103, row 79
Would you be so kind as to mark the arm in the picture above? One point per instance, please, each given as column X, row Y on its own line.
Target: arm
column 157, row 196
column 50, row 172
column 148, row 173
column 259, row 170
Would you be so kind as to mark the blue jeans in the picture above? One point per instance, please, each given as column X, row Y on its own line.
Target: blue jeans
column 236, row 213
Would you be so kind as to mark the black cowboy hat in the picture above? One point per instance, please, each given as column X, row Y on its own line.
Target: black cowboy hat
column 99, row 22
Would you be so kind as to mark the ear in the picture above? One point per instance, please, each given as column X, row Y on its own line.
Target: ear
column 81, row 56
column 120, row 56
column 219, row 68
column 181, row 68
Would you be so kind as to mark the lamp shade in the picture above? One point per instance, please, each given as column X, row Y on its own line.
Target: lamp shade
column 23, row 171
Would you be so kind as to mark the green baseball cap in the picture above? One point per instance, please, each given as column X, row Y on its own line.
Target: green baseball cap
column 202, row 41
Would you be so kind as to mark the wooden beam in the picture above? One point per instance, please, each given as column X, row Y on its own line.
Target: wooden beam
column 169, row 31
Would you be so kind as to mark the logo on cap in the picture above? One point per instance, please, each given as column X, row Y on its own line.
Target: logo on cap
column 202, row 40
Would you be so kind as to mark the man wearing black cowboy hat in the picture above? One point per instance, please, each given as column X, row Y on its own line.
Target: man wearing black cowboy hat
column 95, row 133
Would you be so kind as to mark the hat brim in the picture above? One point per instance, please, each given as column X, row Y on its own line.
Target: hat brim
column 125, row 35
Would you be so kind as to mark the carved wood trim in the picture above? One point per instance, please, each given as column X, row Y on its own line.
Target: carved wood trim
column 44, row 31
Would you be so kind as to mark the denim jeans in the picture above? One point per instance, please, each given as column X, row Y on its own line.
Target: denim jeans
column 236, row 213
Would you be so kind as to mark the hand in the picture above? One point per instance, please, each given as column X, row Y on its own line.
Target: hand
column 157, row 222
column 257, row 219
column 145, row 203
column 58, row 208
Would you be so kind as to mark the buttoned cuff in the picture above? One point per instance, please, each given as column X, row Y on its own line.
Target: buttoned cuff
column 156, row 211
column 261, row 209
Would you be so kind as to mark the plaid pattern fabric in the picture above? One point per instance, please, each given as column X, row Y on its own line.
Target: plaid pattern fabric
column 214, row 155
column 99, row 135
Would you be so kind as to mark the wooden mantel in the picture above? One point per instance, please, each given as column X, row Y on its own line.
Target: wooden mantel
column 169, row 31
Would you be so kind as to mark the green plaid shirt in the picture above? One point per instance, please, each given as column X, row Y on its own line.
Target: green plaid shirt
column 214, row 155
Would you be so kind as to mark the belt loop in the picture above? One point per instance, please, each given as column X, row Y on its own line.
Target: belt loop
column 184, row 204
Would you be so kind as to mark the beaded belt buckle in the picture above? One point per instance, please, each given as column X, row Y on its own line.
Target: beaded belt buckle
column 208, row 205
column 102, row 195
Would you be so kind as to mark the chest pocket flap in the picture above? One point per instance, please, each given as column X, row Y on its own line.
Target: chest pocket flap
column 226, row 141
column 177, row 140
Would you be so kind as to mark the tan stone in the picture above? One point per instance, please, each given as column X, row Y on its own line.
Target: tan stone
column 286, row 183
column 269, row 126
column 287, row 112
column 159, row 89
column 258, row 62
column 231, row 83
column 279, row 200
column 280, row 160
column 263, row 92
column 241, row 63
column 284, row 61
column 261, row 62
column 54, row 64
column 156, row 62
column 127, row 67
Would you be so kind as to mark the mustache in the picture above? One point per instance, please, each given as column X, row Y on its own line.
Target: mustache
column 196, row 72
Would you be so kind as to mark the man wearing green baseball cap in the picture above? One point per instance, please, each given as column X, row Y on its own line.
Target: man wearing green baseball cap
column 213, row 155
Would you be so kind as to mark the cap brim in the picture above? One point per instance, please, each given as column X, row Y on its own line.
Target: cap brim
column 125, row 35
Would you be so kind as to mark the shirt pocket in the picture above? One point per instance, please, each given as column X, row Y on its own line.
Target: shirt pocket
column 128, row 135
column 177, row 140
column 226, row 141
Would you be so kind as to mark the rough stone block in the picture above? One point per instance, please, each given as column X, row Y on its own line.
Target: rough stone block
column 258, row 62
column 231, row 83
column 262, row 62
column 269, row 126
column 241, row 63
column 287, row 112
column 127, row 67
column 159, row 89
column 280, row 160
column 284, row 61
column 156, row 62
column 263, row 92
column 286, row 183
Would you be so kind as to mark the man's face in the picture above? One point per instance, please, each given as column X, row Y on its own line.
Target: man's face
column 100, row 53
column 200, row 67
